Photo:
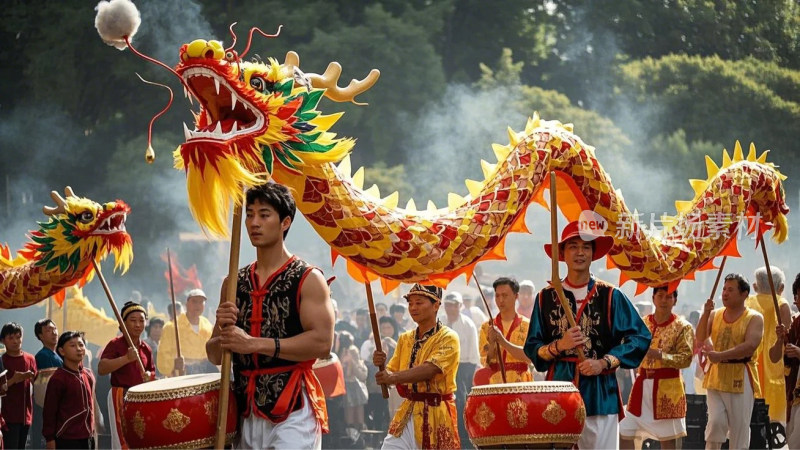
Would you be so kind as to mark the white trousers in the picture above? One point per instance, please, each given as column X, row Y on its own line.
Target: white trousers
column 793, row 429
column 646, row 426
column 299, row 431
column 729, row 416
column 600, row 432
column 406, row 441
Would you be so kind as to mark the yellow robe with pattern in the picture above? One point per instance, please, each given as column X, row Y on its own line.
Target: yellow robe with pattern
column 770, row 374
column 727, row 377
column 676, row 342
column 442, row 350
column 518, row 337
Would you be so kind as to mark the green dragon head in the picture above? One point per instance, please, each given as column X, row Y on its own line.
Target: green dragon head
column 255, row 119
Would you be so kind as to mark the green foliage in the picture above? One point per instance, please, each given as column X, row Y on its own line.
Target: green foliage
column 389, row 179
column 716, row 100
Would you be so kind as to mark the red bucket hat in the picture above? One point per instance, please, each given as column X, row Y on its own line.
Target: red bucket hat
column 602, row 243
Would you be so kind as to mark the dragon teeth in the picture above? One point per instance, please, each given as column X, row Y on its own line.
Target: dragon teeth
column 233, row 101
column 216, row 84
column 218, row 129
column 234, row 128
column 186, row 133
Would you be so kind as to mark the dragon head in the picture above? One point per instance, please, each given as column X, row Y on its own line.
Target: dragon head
column 80, row 229
column 255, row 118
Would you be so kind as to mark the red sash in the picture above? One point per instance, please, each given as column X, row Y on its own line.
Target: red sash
column 430, row 399
column 635, row 402
column 302, row 373
column 117, row 397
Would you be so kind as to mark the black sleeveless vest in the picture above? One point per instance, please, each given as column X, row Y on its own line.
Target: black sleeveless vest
column 595, row 319
column 277, row 317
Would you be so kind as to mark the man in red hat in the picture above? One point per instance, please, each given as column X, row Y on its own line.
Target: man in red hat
column 609, row 330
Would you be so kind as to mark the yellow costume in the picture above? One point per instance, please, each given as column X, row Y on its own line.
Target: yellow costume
column 435, row 421
column 193, row 345
column 770, row 375
column 729, row 376
column 675, row 339
column 516, row 332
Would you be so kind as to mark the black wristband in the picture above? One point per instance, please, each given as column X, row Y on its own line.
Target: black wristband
column 277, row 348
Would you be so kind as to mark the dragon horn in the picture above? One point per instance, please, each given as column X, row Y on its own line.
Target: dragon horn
column 330, row 78
column 62, row 204
column 69, row 192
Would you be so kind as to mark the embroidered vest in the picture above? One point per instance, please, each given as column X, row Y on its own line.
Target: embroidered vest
column 270, row 310
column 594, row 319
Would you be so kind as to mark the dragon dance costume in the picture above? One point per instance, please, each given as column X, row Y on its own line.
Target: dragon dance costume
column 613, row 328
column 657, row 403
column 515, row 332
column 427, row 418
column 282, row 402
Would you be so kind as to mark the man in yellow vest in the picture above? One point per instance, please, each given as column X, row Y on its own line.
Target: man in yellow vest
column 732, row 381
column 195, row 330
column 770, row 374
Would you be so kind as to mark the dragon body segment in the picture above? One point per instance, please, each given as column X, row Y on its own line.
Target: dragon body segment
column 259, row 121
column 59, row 254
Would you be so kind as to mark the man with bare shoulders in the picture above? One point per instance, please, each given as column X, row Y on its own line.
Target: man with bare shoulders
column 281, row 322
column 730, row 336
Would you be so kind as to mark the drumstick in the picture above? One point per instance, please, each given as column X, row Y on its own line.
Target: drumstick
column 554, row 252
column 119, row 318
column 375, row 332
column 230, row 296
column 502, row 364
column 174, row 312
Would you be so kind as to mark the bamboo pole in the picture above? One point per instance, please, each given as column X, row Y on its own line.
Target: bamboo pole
column 117, row 314
column 373, row 317
column 502, row 363
column 175, row 313
column 771, row 283
column 230, row 296
column 555, row 278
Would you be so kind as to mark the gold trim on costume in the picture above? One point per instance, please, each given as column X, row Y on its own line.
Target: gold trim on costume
column 176, row 421
column 554, row 413
column 524, row 388
column 518, row 439
column 484, row 416
column 517, row 414
column 211, row 410
column 171, row 394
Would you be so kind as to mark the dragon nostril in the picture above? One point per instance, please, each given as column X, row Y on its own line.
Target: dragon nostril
column 209, row 53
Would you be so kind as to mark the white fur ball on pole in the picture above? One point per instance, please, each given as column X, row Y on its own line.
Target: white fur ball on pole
column 115, row 20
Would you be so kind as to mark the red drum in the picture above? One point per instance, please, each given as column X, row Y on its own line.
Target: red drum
column 176, row 412
column 541, row 414
column 330, row 375
column 482, row 376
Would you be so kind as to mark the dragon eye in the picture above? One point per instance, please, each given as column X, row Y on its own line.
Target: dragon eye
column 86, row 217
column 257, row 83
column 230, row 56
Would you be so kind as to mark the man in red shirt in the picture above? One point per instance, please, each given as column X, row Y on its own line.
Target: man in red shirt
column 120, row 362
column 68, row 418
column 17, row 407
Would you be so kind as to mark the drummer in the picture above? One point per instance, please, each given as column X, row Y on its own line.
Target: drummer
column 513, row 329
column 195, row 331
column 280, row 323
column 424, row 369
column 120, row 361
column 609, row 330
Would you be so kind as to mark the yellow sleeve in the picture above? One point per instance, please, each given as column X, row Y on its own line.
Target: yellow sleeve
column 483, row 344
column 394, row 363
column 682, row 357
column 446, row 354
column 165, row 360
